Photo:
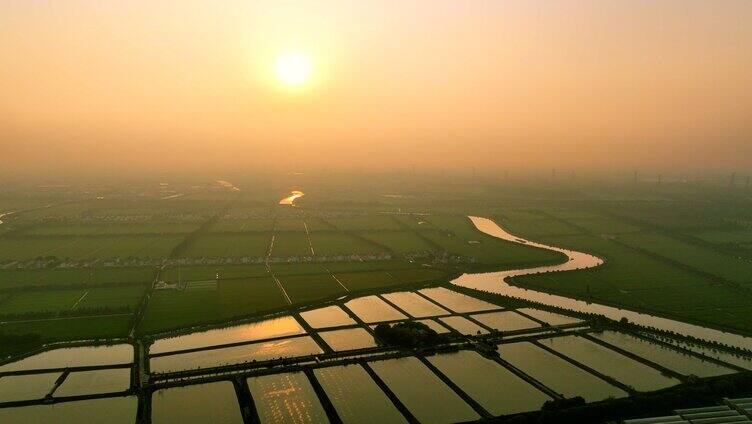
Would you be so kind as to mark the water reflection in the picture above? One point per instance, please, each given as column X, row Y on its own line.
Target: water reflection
column 74, row 357
column 266, row 329
column 290, row 200
column 209, row 403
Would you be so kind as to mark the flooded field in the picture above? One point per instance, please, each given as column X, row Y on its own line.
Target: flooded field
column 372, row 309
column 613, row 364
column 95, row 382
column 415, row 305
column 330, row 316
column 356, row 397
column 209, row 403
column 463, row 325
column 296, row 346
column 116, row 410
column 494, row 387
column 433, row 402
column 74, row 357
column 270, row 328
column 551, row 318
column 669, row 358
column 730, row 358
column 348, row 339
column 286, row 398
column 26, row 387
column 556, row 373
column 505, row 321
column 457, row 302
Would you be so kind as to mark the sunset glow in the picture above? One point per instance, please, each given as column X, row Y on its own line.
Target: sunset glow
column 293, row 69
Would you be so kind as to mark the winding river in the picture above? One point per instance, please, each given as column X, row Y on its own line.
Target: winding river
column 496, row 282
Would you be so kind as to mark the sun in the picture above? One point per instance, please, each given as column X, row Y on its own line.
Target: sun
column 293, row 69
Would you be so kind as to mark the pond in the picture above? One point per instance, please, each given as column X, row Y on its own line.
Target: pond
column 422, row 392
column 95, row 382
column 415, row 305
column 457, row 302
column 296, row 346
column 661, row 355
column 330, row 316
column 497, row 389
column 356, row 397
column 115, row 410
column 505, row 321
column 556, row 373
column 348, row 339
column 286, row 398
column 608, row 362
column 209, row 403
column 26, row 387
column 266, row 329
column 372, row 309
column 74, row 357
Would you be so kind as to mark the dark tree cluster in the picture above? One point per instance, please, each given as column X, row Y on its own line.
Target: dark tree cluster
column 409, row 334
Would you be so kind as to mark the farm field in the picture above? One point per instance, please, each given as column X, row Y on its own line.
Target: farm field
column 399, row 241
column 26, row 278
column 333, row 243
column 737, row 270
column 92, row 247
column 111, row 229
column 228, row 245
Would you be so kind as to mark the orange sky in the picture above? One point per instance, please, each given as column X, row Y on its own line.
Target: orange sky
column 97, row 84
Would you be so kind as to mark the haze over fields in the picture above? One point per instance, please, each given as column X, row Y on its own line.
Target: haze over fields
column 120, row 87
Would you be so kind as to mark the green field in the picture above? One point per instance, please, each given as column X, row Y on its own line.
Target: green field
column 399, row 241
column 211, row 272
column 228, row 245
column 91, row 247
column 291, row 244
column 25, row 278
column 737, row 270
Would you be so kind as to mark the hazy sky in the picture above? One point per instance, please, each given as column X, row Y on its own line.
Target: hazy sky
column 102, row 85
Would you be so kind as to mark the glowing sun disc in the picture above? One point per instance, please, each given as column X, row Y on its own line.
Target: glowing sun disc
column 293, row 69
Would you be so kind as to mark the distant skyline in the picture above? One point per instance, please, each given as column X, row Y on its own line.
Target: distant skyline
column 108, row 86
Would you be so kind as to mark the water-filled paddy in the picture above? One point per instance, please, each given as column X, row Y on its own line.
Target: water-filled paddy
column 95, row 382
column 351, row 338
column 556, row 373
column 505, row 321
column 26, row 387
column 730, row 358
column 296, row 346
column 457, row 302
column 422, row 392
column 494, row 387
column 202, row 403
column 463, row 325
column 286, row 398
column 356, row 397
column 372, row 309
column 275, row 327
column 550, row 318
column 415, row 305
column 669, row 358
column 74, row 357
column 116, row 410
column 613, row 364
column 330, row 316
